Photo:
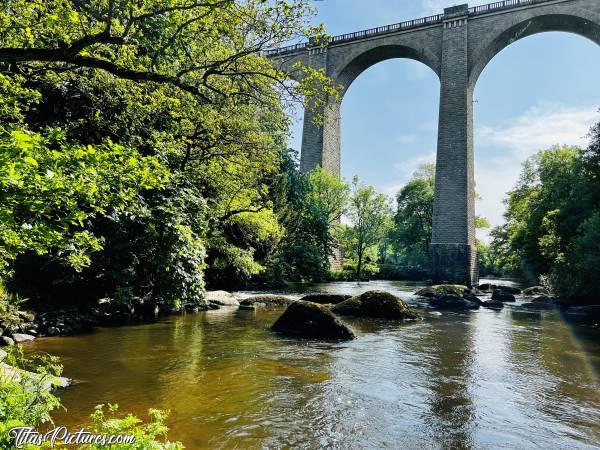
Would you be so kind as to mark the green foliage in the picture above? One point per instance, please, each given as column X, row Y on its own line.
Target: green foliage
column 209, row 48
column 411, row 234
column 50, row 189
column 552, row 221
column 12, row 317
column 369, row 214
column 24, row 397
column 155, row 252
column 180, row 85
column 488, row 260
column 309, row 207
column 148, row 436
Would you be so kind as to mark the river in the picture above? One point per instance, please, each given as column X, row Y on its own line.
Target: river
column 484, row 379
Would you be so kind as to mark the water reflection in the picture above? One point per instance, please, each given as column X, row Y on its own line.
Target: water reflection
column 484, row 379
column 450, row 344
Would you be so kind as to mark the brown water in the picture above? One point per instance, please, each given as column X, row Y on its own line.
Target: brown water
column 483, row 379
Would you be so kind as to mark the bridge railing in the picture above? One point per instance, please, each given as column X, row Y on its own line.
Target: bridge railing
column 284, row 50
column 408, row 25
column 505, row 4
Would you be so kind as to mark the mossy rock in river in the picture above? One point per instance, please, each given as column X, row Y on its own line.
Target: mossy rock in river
column 266, row 300
column 311, row 320
column 376, row 304
column 502, row 296
column 325, row 299
column 453, row 302
column 441, row 290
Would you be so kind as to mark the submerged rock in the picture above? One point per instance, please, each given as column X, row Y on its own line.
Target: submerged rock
column 542, row 299
column 472, row 298
column 452, row 302
column 376, row 304
column 450, row 296
column 267, row 300
column 325, row 299
column 221, row 298
column 502, row 296
column 493, row 304
column 311, row 320
column 535, row 290
column 442, row 289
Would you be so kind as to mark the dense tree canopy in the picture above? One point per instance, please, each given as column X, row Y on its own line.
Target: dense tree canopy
column 553, row 221
column 177, row 124
column 413, row 220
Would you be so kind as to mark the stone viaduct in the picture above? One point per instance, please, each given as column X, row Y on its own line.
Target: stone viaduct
column 456, row 45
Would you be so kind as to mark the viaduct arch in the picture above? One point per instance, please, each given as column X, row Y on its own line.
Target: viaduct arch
column 456, row 45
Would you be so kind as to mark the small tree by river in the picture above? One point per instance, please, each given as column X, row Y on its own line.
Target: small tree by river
column 369, row 213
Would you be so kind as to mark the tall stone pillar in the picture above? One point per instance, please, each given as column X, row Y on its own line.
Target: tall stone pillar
column 453, row 252
column 321, row 140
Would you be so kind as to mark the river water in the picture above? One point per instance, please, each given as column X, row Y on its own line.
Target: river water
column 484, row 379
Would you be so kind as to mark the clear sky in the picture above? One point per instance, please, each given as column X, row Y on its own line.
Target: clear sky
column 539, row 91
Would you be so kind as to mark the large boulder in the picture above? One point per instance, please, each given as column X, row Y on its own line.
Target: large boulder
column 266, row 300
column 311, row 320
column 325, row 299
column 221, row 298
column 450, row 296
column 454, row 302
column 535, row 290
column 508, row 289
column 502, row 296
column 376, row 304
column 493, row 304
column 442, row 289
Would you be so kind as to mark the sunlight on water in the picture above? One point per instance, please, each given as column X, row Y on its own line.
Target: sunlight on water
column 483, row 379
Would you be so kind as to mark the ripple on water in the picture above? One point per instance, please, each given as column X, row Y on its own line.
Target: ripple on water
column 483, row 379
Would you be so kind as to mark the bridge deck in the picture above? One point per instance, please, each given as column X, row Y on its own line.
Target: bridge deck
column 408, row 25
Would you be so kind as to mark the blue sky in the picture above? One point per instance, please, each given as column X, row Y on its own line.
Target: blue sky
column 539, row 91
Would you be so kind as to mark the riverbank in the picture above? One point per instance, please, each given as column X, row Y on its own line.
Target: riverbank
column 24, row 326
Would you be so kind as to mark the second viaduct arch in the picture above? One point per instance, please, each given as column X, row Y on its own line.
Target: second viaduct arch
column 457, row 46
